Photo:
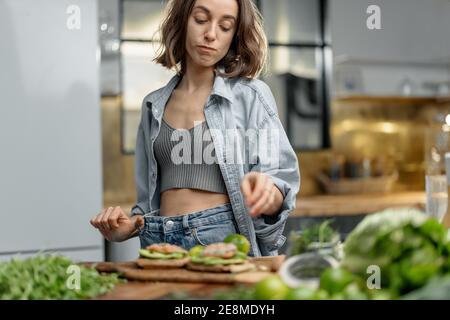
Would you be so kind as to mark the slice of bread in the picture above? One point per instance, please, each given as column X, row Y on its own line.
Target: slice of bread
column 161, row 263
column 231, row 268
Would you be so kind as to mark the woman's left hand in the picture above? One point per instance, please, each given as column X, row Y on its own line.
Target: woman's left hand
column 261, row 194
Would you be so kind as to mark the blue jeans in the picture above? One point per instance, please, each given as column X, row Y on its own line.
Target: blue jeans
column 197, row 228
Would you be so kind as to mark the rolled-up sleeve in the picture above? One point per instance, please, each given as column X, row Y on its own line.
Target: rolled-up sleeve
column 279, row 161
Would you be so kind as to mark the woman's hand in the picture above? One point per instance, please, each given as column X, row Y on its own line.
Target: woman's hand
column 261, row 194
column 115, row 225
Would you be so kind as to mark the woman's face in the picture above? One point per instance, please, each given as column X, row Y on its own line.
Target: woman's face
column 212, row 25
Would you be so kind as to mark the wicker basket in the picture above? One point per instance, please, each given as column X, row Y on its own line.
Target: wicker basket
column 380, row 184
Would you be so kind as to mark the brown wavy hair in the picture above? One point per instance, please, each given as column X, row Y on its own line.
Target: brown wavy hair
column 246, row 57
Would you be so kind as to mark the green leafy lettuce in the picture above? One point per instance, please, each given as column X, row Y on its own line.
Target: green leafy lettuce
column 408, row 247
column 46, row 277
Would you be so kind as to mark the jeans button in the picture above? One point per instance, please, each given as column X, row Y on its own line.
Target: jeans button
column 169, row 224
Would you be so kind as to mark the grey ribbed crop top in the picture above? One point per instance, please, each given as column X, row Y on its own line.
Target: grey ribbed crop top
column 187, row 162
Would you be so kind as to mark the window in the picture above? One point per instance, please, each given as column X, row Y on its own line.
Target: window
column 139, row 74
column 298, row 69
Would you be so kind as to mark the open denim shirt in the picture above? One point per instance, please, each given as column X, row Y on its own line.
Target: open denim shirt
column 234, row 103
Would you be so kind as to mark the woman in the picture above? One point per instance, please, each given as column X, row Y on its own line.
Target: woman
column 212, row 109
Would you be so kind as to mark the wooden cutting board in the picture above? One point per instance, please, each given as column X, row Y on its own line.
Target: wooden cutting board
column 184, row 275
column 265, row 266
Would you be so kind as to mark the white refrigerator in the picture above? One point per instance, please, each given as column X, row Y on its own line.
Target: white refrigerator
column 50, row 128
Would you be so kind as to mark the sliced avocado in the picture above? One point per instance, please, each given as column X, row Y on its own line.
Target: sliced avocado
column 217, row 261
column 158, row 255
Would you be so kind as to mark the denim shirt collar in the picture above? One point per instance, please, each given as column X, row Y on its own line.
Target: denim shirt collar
column 221, row 88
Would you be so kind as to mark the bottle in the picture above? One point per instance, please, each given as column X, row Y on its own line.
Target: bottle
column 446, row 219
column 436, row 182
column 336, row 168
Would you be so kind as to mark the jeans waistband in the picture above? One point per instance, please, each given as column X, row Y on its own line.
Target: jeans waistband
column 156, row 223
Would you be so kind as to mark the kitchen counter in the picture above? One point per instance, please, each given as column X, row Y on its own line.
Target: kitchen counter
column 159, row 283
column 348, row 205
column 138, row 290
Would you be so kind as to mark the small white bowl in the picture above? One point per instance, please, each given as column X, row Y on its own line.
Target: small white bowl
column 305, row 269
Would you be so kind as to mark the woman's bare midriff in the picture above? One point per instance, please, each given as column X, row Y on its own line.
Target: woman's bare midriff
column 175, row 202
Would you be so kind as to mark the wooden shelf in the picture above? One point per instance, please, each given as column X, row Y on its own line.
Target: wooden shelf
column 347, row 205
column 413, row 100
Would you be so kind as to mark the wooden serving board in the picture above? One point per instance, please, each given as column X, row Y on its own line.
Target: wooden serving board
column 184, row 275
column 265, row 267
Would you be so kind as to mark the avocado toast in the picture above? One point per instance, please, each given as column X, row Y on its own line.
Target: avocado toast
column 218, row 257
column 163, row 255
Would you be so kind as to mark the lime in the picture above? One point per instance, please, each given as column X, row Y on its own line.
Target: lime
column 381, row 294
column 301, row 293
column 196, row 251
column 321, row 295
column 337, row 296
column 271, row 288
column 334, row 280
column 354, row 292
column 241, row 242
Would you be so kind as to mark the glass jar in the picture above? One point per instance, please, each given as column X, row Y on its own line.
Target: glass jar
column 437, row 138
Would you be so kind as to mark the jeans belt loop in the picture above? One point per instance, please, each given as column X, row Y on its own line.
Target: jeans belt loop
column 186, row 224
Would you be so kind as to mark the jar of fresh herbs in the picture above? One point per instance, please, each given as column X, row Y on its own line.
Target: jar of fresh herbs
column 319, row 238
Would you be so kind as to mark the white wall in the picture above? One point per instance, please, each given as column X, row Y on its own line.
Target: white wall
column 50, row 136
column 412, row 31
